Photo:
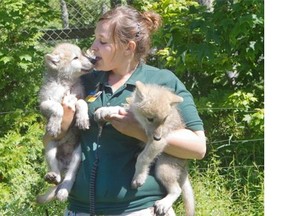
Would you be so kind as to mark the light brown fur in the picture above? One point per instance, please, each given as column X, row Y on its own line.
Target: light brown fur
column 154, row 107
column 64, row 67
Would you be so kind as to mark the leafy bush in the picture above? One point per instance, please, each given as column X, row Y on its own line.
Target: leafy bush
column 219, row 54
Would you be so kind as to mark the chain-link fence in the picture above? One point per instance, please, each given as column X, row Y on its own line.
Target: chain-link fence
column 73, row 19
column 76, row 19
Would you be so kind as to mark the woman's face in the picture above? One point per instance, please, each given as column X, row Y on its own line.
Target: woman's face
column 109, row 55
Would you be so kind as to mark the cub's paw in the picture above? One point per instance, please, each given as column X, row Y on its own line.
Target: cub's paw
column 62, row 194
column 83, row 123
column 162, row 207
column 70, row 101
column 138, row 181
column 52, row 178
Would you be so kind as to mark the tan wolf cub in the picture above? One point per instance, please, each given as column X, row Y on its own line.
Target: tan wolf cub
column 154, row 107
column 64, row 66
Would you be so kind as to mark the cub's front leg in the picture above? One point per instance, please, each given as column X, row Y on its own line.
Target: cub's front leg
column 82, row 118
column 102, row 113
column 81, row 107
column 145, row 159
column 54, row 113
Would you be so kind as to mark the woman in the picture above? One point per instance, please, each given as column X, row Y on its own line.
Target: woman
column 122, row 39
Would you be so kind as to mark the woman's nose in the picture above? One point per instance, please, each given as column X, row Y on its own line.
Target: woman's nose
column 94, row 46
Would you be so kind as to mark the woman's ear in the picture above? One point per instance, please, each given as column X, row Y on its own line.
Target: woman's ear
column 131, row 46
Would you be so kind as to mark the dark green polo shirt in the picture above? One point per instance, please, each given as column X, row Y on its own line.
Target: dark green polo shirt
column 117, row 152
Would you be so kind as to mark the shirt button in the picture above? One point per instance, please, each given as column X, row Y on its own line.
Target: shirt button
column 108, row 104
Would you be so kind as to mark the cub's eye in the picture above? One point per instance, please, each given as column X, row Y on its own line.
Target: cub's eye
column 150, row 119
column 75, row 58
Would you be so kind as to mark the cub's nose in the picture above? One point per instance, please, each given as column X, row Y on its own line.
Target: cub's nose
column 89, row 54
column 156, row 138
column 92, row 60
column 157, row 134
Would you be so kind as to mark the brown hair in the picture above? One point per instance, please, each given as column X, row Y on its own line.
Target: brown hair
column 132, row 25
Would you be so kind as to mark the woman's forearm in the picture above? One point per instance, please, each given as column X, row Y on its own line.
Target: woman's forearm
column 68, row 115
column 182, row 143
column 186, row 144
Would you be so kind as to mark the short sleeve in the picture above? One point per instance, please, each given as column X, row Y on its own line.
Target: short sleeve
column 187, row 108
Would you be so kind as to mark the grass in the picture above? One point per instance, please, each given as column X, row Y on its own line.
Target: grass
column 236, row 189
column 227, row 191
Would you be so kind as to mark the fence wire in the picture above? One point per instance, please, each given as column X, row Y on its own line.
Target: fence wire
column 73, row 19
column 76, row 19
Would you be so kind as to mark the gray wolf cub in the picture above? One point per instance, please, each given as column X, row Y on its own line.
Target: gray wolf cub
column 154, row 107
column 64, row 66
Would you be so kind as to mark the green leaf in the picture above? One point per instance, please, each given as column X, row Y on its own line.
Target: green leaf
column 25, row 57
column 6, row 59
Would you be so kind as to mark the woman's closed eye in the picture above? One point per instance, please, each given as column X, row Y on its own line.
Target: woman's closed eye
column 103, row 42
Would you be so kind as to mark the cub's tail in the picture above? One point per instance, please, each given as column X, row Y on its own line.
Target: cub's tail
column 188, row 198
column 48, row 196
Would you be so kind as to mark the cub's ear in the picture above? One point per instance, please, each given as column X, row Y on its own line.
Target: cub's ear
column 175, row 99
column 140, row 89
column 52, row 60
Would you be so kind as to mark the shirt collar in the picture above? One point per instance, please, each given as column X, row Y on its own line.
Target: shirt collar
column 136, row 75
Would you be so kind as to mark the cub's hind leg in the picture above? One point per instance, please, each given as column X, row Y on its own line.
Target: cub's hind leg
column 54, row 174
column 170, row 177
column 68, row 181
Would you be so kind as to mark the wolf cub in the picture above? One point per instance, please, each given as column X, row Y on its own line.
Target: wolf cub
column 154, row 107
column 64, row 66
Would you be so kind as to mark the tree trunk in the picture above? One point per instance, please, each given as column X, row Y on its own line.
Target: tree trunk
column 64, row 14
column 104, row 7
column 207, row 3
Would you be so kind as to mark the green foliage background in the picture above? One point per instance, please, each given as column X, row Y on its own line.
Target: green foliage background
column 202, row 47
